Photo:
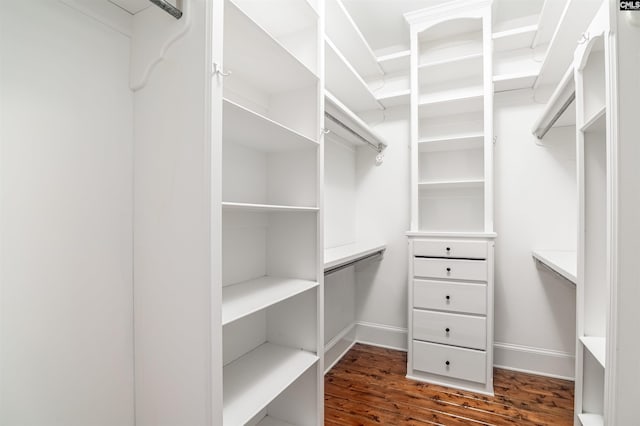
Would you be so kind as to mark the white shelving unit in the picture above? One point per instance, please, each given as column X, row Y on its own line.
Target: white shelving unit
column 270, row 281
column 451, row 187
column 560, row 108
column 563, row 262
column 594, row 140
column 338, row 256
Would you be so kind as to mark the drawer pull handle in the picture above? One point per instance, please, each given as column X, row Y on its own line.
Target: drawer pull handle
column 448, row 269
column 447, row 363
column 447, row 297
column 447, row 329
column 448, row 249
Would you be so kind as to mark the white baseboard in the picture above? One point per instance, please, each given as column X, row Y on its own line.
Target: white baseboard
column 385, row 336
column 543, row 362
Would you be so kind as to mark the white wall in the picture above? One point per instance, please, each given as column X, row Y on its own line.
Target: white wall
column 66, row 336
column 535, row 207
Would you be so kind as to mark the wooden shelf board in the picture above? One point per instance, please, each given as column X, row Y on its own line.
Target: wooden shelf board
column 248, row 44
column 254, row 130
column 502, row 83
column 597, row 346
column 563, row 262
column 400, row 97
column 337, row 256
column 451, row 184
column 597, row 122
column 252, row 381
column 270, row 421
column 248, row 297
column 440, row 234
column 461, row 141
column 228, row 205
column 345, row 83
column 344, row 32
column 453, row 62
column 589, row 419
column 574, row 21
column 516, row 38
column 394, row 62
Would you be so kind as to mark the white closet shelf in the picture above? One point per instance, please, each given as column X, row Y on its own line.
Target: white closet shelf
column 588, row 419
column 338, row 256
column 252, row 381
column 393, row 62
column 575, row 18
column 228, row 205
column 452, row 62
column 347, row 117
column 514, row 81
column 597, row 346
column 344, row 32
column 254, row 130
column 563, row 262
column 441, row 234
column 270, row 421
column 516, row 38
column 248, row 297
column 254, row 56
column 453, row 69
column 400, row 97
column 345, row 83
column 451, row 184
column 453, row 142
column 445, row 103
column 562, row 95
column 596, row 122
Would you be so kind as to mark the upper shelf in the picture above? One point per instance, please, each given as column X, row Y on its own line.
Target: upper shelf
column 563, row 262
column 247, row 45
column 342, row 255
column 343, row 31
column 394, row 62
column 351, row 121
column 345, row 83
column 516, row 38
column 575, row 19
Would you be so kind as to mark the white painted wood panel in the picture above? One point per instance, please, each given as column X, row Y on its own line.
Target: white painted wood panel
column 457, row 269
column 449, row 248
column 450, row 361
column 450, row 329
column 448, row 296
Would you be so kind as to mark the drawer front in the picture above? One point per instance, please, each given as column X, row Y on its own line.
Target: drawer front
column 449, row 361
column 453, row 297
column 475, row 270
column 441, row 248
column 451, row 329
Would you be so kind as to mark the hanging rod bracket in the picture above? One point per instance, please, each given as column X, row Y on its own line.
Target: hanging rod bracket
column 168, row 7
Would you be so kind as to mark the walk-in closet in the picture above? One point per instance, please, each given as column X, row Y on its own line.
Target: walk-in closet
column 319, row 212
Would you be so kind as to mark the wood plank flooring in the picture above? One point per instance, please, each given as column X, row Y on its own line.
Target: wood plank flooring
column 368, row 387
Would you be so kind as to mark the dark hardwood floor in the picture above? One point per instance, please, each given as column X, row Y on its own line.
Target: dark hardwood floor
column 368, row 387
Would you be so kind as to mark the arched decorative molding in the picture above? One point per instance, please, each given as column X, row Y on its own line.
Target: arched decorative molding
column 154, row 32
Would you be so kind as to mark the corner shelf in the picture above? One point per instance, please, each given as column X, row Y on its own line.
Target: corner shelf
column 342, row 255
column 228, row 205
column 516, row 38
column 400, row 97
column 254, row 130
column 562, row 262
column 514, row 81
column 248, row 297
column 345, row 83
column 393, row 62
column 591, row 419
column 342, row 30
column 597, row 346
column 453, row 142
column 252, row 381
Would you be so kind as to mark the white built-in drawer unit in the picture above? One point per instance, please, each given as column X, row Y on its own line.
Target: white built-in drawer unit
column 450, row 361
column 455, row 269
column 468, row 331
column 452, row 249
column 470, row 298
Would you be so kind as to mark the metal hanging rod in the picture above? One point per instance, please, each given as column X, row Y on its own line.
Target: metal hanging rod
column 353, row 262
column 558, row 114
column 378, row 148
column 168, row 7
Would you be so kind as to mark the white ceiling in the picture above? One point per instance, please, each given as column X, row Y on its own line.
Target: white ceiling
column 382, row 22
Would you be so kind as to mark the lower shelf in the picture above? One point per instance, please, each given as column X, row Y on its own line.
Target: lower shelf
column 597, row 346
column 591, row 419
column 562, row 262
column 257, row 378
column 270, row 421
